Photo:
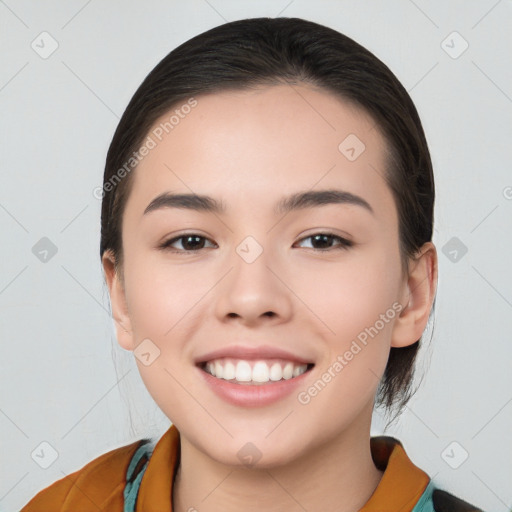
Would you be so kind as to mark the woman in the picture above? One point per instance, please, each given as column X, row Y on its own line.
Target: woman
column 267, row 242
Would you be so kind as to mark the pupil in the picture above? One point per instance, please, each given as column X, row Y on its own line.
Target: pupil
column 327, row 238
column 192, row 245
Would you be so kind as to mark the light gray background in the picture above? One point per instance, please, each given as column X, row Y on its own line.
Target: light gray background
column 64, row 379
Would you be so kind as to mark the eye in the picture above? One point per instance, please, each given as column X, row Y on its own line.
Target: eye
column 324, row 240
column 191, row 242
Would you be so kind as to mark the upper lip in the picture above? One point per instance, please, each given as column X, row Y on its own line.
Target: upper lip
column 248, row 352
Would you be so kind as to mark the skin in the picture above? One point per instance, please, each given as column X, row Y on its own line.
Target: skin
column 250, row 148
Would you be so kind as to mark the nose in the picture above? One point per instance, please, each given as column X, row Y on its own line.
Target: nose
column 254, row 292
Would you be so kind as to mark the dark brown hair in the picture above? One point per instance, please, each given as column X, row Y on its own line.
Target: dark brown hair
column 266, row 51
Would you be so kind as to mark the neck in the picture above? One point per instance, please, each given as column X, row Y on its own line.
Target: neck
column 337, row 475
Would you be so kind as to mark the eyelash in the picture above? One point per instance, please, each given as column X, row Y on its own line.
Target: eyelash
column 344, row 243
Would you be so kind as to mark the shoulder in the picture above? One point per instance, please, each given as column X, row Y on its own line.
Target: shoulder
column 445, row 502
column 99, row 485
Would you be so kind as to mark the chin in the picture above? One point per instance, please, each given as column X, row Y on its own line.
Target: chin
column 254, row 452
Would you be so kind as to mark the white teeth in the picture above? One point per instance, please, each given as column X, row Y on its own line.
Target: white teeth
column 297, row 370
column 243, row 371
column 276, row 372
column 259, row 372
column 288, row 371
column 229, row 371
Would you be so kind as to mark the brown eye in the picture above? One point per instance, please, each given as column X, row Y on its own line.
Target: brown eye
column 324, row 241
column 193, row 242
column 190, row 243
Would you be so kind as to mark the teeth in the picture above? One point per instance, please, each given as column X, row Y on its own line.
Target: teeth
column 276, row 372
column 260, row 372
column 229, row 371
column 296, row 371
column 243, row 371
column 288, row 371
column 254, row 371
column 219, row 370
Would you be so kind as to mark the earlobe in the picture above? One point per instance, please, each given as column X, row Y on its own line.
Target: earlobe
column 118, row 301
column 417, row 298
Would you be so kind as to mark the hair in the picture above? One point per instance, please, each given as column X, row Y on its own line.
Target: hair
column 270, row 51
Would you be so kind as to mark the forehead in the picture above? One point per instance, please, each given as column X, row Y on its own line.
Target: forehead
column 256, row 145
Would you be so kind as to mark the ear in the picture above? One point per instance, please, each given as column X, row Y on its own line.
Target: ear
column 120, row 313
column 417, row 297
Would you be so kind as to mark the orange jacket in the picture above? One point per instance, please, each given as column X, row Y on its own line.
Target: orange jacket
column 146, row 481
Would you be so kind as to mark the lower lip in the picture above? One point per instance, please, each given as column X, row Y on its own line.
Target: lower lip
column 257, row 395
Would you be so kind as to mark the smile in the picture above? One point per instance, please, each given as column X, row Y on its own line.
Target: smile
column 254, row 372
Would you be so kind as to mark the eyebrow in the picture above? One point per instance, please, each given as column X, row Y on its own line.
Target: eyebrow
column 297, row 201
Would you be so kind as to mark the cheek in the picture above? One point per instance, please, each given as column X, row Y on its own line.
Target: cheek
column 350, row 295
column 161, row 295
column 167, row 304
column 357, row 305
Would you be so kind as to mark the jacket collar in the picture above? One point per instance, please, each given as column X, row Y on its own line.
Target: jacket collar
column 402, row 483
column 400, row 488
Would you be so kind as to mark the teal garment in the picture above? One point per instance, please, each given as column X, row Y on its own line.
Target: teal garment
column 425, row 503
column 135, row 472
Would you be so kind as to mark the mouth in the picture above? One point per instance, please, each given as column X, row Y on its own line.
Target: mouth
column 255, row 372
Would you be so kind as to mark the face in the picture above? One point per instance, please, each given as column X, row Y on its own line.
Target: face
column 320, row 280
